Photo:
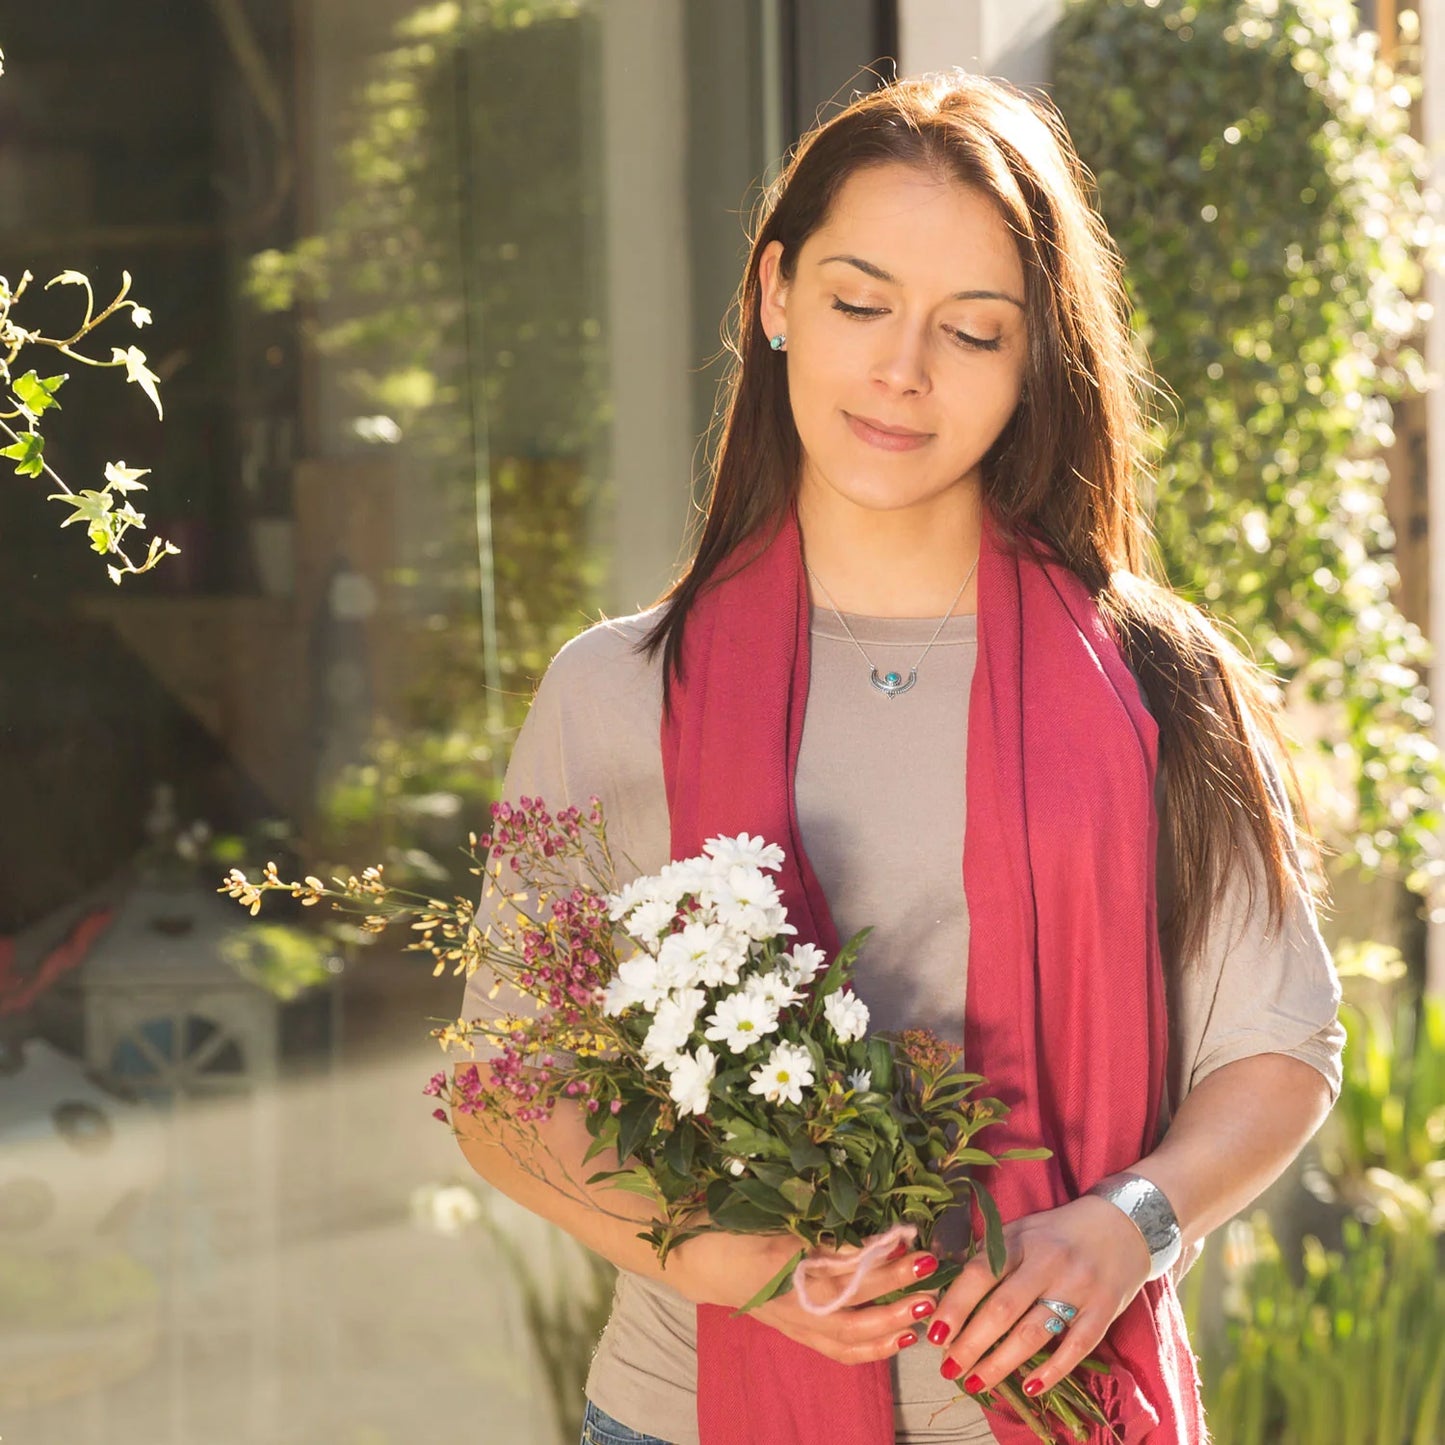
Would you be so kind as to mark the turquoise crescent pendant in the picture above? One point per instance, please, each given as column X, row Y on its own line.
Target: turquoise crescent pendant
column 893, row 684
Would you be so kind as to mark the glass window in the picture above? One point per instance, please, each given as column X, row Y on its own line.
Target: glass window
column 436, row 294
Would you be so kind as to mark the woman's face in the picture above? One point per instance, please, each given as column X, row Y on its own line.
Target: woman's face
column 906, row 338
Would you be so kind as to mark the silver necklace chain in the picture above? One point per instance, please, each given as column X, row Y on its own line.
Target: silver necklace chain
column 893, row 684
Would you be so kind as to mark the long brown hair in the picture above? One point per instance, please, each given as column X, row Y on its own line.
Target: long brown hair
column 1066, row 467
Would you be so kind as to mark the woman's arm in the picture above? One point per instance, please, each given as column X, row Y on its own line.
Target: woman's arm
column 1234, row 1134
column 713, row 1268
column 1256, row 1041
column 544, row 1173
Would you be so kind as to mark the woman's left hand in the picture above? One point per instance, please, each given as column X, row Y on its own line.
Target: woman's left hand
column 1087, row 1253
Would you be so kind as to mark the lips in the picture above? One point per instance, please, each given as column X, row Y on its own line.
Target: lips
column 893, row 431
column 886, row 438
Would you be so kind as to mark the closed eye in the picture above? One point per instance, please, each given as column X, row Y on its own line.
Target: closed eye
column 866, row 313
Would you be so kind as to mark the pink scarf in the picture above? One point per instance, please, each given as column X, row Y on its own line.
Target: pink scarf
column 1065, row 1012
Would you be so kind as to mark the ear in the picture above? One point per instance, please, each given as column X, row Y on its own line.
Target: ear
column 772, row 290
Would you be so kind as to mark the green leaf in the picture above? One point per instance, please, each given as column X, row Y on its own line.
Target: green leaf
column 27, row 456
column 804, row 1154
column 596, row 1147
column 764, row 1196
column 839, row 969
column 877, row 1175
column 90, row 508
column 880, row 1064
column 136, row 370
column 636, row 1180
column 933, row 1193
column 773, row 1174
column 604, row 1175
column 635, row 1123
column 774, row 1286
column 994, row 1245
column 843, row 1194
column 799, row 1194
column 982, row 1156
column 742, row 1217
column 1039, row 1153
column 748, row 1140
column 36, row 395
column 679, row 1149
column 124, row 478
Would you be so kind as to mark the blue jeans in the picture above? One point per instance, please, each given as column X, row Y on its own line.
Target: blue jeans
column 599, row 1428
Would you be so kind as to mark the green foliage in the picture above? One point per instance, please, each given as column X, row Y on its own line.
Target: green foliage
column 454, row 288
column 464, row 315
column 851, row 1162
column 1348, row 1350
column 27, row 452
column 1347, row 1346
column 411, row 801
column 283, row 960
column 1387, row 1131
column 1254, row 163
column 106, row 514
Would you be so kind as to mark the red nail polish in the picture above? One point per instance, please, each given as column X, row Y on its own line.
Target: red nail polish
column 923, row 1309
column 1032, row 1387
column 898, row 1251
column 907, row 1338
column 938, row 1332
column 924, row 1266
column 973, row 1384
column 949, row 1369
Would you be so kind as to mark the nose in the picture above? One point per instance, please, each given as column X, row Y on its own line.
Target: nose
column 901, row 366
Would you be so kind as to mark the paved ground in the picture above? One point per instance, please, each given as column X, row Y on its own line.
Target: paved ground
column 300, row 1302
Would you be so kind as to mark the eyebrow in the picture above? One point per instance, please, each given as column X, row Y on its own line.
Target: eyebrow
column 879, row 274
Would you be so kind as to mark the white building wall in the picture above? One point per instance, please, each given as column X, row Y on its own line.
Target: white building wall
column 1007, row 38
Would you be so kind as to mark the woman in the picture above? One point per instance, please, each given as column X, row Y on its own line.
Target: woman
column 918, row 626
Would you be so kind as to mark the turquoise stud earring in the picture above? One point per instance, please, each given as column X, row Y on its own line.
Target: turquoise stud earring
column 777, row 342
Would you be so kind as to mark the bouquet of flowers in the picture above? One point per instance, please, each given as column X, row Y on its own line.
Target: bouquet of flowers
column 727, row 1070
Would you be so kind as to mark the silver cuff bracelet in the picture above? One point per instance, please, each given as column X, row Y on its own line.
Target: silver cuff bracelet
column 1145, row 1203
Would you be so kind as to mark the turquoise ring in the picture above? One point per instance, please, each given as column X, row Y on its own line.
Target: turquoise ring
column 1061, row 1315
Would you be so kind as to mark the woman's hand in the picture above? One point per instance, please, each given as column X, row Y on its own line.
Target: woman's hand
column 717, row 1267
column 1087, row 1253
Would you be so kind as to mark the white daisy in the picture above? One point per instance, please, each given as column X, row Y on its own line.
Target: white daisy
column 788, row 1070
column 803, row 963
column 649, row 919
column 627, row 898
column 740, row 1020
column 744, row 849
column 619, row 996
column 678, row 880
column 702, row 953
column 672, row 1027
column 848, row 1015
column 749, row 902
column 640, row 980
column 692, row 1076
column 773, row 988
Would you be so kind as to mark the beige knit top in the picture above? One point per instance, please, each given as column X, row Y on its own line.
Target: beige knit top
column 880, row 794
